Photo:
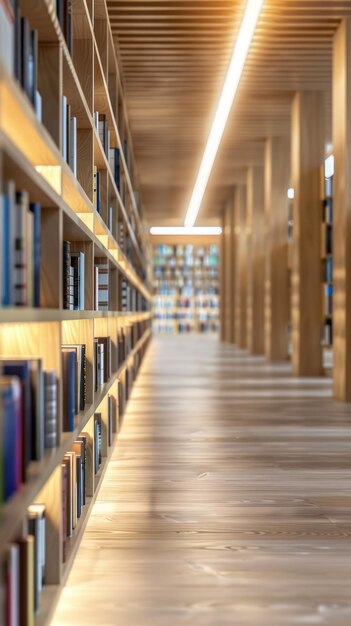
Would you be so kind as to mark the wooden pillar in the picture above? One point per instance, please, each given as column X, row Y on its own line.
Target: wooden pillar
column 227, row 279
column 342, row 212
column 307, row 143
column 240, row 286
column 276, row 307
column 255, row 260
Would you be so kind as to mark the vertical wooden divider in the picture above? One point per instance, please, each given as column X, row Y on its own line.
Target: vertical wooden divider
column 51, row 258
column 276, row 303
column 342, row 212
column 255, row 260
column 308, row 136
column 50, row 87
column 228, row 267
column 240, row 280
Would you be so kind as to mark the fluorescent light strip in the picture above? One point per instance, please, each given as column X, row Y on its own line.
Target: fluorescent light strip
column 185, row 230
column 235, row 69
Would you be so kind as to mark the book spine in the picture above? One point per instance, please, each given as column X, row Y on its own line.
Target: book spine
column 7, row 35
column 73, row 145
column 50, row 411
column 35, row 208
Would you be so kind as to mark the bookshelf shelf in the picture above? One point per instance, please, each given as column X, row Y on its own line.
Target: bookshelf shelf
column 75, row 325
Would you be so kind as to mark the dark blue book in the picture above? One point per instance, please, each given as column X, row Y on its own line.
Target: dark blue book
column 12, row 436
column 117, row 172
column 21, row 369
column 35, row 208
column 69, row 376
column 98, row 192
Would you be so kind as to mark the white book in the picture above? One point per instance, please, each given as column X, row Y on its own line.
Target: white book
column 38, row 106
column 64, row 128
column 72, row 161
column 7, row 35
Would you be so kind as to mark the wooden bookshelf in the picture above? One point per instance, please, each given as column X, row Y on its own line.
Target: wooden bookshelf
column 327, row 258
column 31, row 155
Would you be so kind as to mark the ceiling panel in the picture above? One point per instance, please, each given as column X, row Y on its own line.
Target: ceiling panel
column 174, row 54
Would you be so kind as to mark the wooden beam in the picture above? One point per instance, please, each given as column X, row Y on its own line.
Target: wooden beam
column 255, row 260
column 240, row 286
column 342, row 211
column 308, row 138
column 227, row 294
column 277, row 178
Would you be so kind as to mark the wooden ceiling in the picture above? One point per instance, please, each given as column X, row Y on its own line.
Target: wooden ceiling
column 174, row 54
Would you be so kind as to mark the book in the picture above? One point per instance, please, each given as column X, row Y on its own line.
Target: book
column 11, row 567
column 7, row 35
column 64, row 509
column 64, row 125
column 97, row 442
column 77, row 262
column 69, row 373
column 20, row 295
column 35, row 209
column 101, row 286
column 50, row 409
column 26, row 551
column 107, row 357
column 80, row 380
column 72, row 157
column 37, row 528
column 114, row 162
column 8, row 249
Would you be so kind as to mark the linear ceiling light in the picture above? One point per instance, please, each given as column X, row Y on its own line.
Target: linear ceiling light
column 183, row 230
column 235, row 69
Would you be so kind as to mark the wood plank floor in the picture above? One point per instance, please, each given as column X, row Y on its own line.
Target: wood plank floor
column 227, row 501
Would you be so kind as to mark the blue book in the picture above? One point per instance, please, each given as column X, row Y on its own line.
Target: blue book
column 69, row 376
column 21, row 368
column 35, row 208
column 7, row 247
column 12, row 436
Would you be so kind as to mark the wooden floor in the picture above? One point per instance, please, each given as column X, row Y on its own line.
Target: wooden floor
column 227, row 502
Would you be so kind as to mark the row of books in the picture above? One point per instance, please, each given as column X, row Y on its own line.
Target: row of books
column 69, row 135
column 74, row 385
column 101, row 125
column 24, row 571
column 101, row 284
column 20, row 249
column 103, row 360
column 28, row 419
column 327, row 269
column 19, row 50
column 73, row 278
column 328, row 210
column 129, row 296
column 75, row 468
column 128, row 337
column 327, row 332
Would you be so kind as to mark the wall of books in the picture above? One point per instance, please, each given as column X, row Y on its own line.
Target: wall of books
column 75, row 315
column 186, row 288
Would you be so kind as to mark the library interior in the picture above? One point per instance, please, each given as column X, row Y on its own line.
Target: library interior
column 175, row 312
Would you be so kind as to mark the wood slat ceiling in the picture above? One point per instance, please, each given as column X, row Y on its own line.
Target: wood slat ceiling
column 174, row 54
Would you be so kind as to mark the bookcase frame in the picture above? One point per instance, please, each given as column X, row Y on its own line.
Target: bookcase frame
column 30, row 154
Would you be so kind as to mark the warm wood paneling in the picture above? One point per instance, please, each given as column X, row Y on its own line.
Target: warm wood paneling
column 342, row 212
column 255, row 260
column 277, row 178
column 240, row 245
column 308, row 140
column 174, row 55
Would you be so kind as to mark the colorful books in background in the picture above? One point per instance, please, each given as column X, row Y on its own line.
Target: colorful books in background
column 74, row 382
column 73, row 278
column 20, row 250
column 101, row 284
column 114, row 161
column 24, row 387
column 97, row 442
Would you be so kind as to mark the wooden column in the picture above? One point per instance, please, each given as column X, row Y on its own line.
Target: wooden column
column 240, row 286
column 255, row 260
column 227, row 295
column 308, row 137
column 342, row 211
column 276, row 307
